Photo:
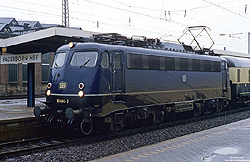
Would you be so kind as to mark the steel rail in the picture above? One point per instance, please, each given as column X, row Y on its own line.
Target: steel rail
column 23, row 147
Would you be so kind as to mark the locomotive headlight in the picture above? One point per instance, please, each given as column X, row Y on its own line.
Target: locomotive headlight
column 81, row 85
column 48, row 93
column 71, row 45
column 49, row 85
column 80, row 93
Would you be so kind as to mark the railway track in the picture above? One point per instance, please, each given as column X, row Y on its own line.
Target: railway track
column 27, row 146
column 25, row 128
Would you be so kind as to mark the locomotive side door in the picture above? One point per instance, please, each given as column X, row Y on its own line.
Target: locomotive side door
column 117, row 76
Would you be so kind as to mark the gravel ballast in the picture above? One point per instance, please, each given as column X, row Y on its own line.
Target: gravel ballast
column 114, row 146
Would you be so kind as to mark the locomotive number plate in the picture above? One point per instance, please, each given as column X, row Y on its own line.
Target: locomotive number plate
column 62, row 85
column 62, row 101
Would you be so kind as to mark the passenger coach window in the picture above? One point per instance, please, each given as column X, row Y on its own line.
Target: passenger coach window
column 248, row 75
column 105, row 60
column 238, row 75
column 84, row 59
column 59, row 60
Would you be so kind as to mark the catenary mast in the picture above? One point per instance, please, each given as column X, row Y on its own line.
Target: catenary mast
column 65, row 13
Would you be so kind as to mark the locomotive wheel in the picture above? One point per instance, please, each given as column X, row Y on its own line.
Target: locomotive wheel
column 86, row 125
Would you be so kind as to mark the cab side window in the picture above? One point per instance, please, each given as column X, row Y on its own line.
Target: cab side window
column 117, row 60
column 105, row 60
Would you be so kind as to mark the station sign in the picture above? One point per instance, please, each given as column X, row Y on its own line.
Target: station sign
column 21, row 58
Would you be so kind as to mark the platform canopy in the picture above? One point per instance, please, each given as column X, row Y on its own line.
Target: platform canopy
column 42, row 41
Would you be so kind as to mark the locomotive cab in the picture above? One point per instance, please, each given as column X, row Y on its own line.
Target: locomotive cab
column 82, row 80
column 71, row 77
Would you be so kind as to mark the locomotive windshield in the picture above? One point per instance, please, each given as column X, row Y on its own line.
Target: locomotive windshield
column 59, row 60
column 83, row 59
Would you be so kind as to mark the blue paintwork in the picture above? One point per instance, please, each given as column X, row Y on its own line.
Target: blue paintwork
column 98, row 80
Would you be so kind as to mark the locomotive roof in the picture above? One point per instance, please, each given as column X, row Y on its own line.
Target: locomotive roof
column 237, row 61
column 139, row 50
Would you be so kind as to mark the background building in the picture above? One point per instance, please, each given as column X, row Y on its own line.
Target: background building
column 20, row 37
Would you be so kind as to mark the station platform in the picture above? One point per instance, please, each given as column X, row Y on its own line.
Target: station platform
column 17, row 108
column 227, row 143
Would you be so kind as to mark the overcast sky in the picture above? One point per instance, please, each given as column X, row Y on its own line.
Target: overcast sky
column 229, row 20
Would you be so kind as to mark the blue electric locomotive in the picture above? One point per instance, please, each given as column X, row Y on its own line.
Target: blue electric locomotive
column 109, row 85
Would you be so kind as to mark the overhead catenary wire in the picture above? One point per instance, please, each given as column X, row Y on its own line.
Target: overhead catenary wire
column 227, row 9
column 130, row 11
column 135, row 12
column 33, row 11
column 141, row 14
column 117, row 8
column 57, row 15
